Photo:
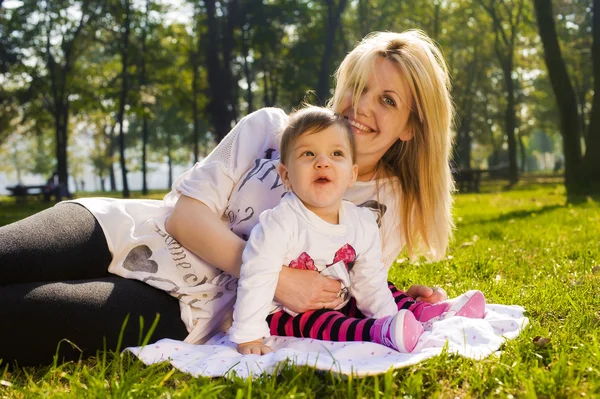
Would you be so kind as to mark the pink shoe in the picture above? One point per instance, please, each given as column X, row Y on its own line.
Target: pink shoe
column 400, row 332
column 471, row 304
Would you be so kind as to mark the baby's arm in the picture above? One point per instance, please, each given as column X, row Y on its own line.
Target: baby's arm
column 369, row 276
column 262, row 259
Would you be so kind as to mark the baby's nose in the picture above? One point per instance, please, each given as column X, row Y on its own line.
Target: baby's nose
column 322, row 162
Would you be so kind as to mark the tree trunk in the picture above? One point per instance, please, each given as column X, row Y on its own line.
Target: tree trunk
column 591, row 162
column 169, row 160
column 363, row 17
column 266, row 101
column 510, row 121
column 463, row 142
column 274, row 82
column 505, row 31
column 334, row 15
column 111, row 152
column 247, row 74
column 436, row 21
column 563, row 92
column 123, row 100
column 196, row 133
column 145, row 116
column 59, row 78
column 218, row 108
column 462, row 149
column 145, row 155
column 58, row 88
column 228, row 47
column 62, row 116
column 194, row 55
column 523, row 152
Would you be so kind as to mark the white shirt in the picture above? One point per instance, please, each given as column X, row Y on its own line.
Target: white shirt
column 289, row 231
column 237, row 180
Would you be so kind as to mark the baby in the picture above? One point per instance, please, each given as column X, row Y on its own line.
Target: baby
column 314, row 228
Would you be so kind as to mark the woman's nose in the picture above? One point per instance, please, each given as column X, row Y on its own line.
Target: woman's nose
column 363, row 107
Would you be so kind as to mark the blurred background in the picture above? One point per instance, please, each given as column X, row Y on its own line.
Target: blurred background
column 121, row 95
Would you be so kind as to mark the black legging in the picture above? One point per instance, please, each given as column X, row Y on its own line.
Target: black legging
column 54, row 284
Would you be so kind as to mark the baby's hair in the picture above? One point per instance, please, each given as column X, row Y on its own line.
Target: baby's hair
column 313, row 119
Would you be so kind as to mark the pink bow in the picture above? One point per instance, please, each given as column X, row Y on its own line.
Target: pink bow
column 346, row 254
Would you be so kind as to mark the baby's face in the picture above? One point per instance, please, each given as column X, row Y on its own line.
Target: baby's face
column 319, row 169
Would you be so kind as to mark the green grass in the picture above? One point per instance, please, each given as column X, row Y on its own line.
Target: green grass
column 10, row 211
column 528, row 246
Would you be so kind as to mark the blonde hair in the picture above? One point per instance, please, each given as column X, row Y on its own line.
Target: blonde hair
column 422, row 163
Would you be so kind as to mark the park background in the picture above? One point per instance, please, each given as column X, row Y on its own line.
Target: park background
column 127, row 94
column 96, row 88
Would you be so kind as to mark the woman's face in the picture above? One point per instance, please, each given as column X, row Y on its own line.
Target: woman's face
column 381, row 115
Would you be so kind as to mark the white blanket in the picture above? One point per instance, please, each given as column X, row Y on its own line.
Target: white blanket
column 472, row 338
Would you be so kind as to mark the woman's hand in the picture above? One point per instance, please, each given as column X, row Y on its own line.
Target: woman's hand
column 304, row 290
column 427, row 294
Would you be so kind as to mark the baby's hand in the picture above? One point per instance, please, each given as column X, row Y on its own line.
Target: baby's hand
column 254, row 348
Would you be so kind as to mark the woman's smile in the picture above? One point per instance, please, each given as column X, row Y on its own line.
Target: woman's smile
column 359, row 127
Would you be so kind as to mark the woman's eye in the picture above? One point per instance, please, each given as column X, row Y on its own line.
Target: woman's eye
column 389, row 101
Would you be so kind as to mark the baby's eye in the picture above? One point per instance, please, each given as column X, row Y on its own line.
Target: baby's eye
column 337, row 154
column 308, row 154
column 389, row 101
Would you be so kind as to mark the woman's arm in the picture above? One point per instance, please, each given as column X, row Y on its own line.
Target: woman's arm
column 198, row 229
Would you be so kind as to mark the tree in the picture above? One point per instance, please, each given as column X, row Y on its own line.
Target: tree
column 591, row 162
column 578, row 176
column 143, row 83
column 195, row 54
column 124, row 90
column 507, row 17
column 273, row 30
column 222, row 106
column 60, row 67
column 470, row 65
column 246, row 43
column 334, row 15
column 99, row 157
column 59, row 38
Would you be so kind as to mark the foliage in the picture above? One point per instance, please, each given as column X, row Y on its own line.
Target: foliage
column 277, row 48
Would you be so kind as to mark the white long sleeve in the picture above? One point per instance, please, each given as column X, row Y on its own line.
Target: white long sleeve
column 261, row 263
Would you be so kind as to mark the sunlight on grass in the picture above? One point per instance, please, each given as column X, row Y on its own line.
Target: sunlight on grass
column 528, row 246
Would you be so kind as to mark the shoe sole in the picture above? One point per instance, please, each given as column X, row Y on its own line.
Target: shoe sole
column 471, row 304
column 404, row 329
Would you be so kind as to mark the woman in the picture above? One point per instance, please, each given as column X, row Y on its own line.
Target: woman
column 394, row 90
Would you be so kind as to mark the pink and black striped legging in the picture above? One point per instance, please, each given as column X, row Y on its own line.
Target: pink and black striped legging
column 347, row 324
